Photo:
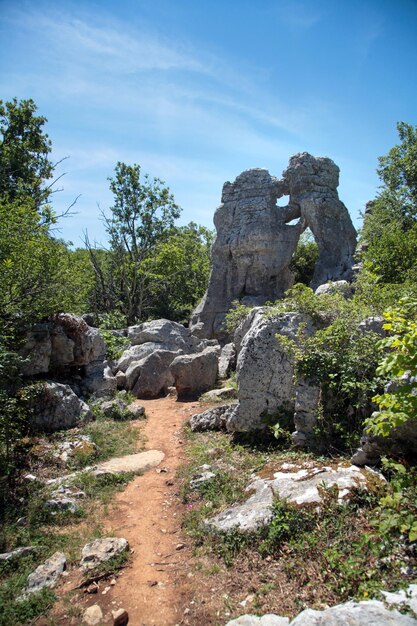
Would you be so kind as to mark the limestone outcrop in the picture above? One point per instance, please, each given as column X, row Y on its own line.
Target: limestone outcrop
column 256, row 239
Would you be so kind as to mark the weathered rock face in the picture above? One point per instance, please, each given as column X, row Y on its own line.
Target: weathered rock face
column 66, row 342
column 265, row 371
column 301, row 487
column 255, row 240
column 312, row 186
column 58, row 408
column 364, row 613
column 47, row 574
column 252, row 250
column 194, row 374
column 101, row 550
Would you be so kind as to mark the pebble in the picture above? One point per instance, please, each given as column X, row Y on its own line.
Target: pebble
column 120, row 617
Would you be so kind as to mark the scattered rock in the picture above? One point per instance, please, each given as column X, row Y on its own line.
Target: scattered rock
column 200, row 479
column 331, row 288
column 93, row 616
column 137, row 411
column 78, row 445
column 113, row 408
column 17, row 554
column 214, row 395
column 139, row 462
column 212, row 419
column 47, row 574
column 120, row 617
column 101, row 550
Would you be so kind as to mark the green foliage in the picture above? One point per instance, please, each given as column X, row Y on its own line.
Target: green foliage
column 304, row 258
column 24, row 155
column 179, row 271
column 17, row 612
column 141, row 218
column 339, row 357
column 390, row 226
column 235, row 316
column 288, row 521
column 396, row 514
column 398, row 405
column 115, row 345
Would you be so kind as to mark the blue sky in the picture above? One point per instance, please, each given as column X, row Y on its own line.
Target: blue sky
column 197, row 91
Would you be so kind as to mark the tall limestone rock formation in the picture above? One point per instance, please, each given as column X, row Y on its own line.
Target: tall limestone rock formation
column 255, row 240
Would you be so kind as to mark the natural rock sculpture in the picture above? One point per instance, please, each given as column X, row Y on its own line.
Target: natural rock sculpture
column 255, row 240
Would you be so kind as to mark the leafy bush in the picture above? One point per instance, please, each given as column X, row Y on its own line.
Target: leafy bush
column 399, row 365
column 235, row 316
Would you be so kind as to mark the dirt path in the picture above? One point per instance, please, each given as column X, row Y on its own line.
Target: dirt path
column 156, row 589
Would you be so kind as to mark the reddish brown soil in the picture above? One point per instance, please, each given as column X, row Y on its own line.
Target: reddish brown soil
column 155, row 589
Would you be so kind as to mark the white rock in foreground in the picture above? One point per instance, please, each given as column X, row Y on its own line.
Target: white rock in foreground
column 365, row 613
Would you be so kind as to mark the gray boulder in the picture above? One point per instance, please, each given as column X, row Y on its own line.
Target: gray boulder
column 17, row 554
column 169, row 335
column 212, row 419
column 102, row 550
column 151, row 376
column 227, row 360
column 338, row 286
column 58, row 408
column 193, row 374
column 265, row 370
column 46, row 575
column 365, row 613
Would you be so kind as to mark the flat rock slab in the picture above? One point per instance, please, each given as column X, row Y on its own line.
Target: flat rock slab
column 133, row 462
column 365, row 613
column 301, row 487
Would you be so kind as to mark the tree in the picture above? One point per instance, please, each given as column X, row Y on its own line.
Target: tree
column 25, row 166
column 389, row 235
column 179, row 271
column 142, row 217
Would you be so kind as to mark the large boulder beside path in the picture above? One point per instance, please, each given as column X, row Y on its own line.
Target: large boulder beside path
column 57, row 407
column 194, row 374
